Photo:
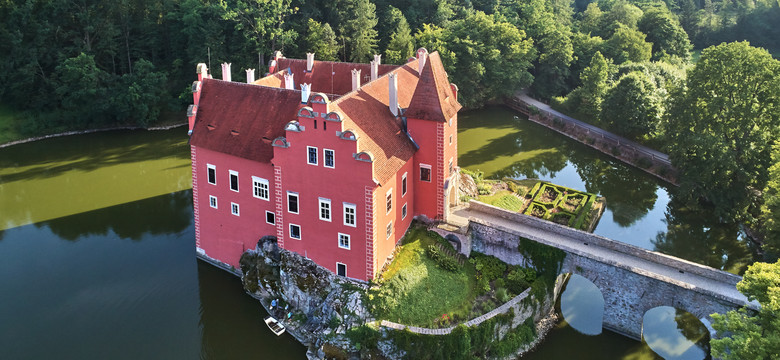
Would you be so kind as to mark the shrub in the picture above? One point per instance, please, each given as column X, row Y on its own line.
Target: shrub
column 443, row 260
column 490, row 267
column 513, row 187
column 364, row 335
column 502, row 295
column 499, row 283
column 477, row 175
column 484, row 189
column 516, row 281
column 483, row 286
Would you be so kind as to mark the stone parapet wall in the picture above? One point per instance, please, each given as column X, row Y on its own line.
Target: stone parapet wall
column 601, row 241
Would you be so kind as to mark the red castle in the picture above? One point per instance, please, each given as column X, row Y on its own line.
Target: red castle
column 334, row 159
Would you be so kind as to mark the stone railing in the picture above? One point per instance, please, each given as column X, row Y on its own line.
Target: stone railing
column 473, row 322
column 600, row 241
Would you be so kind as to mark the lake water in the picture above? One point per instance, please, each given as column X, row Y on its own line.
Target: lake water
column 97, row 254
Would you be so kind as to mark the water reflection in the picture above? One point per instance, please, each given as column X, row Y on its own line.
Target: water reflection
column 582, row 305
column 675, row 334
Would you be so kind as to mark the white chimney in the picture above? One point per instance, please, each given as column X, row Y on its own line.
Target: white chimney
column 422, row 55
column 305, row 92
column 374, row 70
column 355, row 79
column 288, row 81
column 226, row 71
column 250, row 76
column 203, row 72
column 278, row 55
column 378, row 58
column 393, row 81
column 309, row 61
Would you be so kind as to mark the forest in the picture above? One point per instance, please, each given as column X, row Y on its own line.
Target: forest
column 695, row 78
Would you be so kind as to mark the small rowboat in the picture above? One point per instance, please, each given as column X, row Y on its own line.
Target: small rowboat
column 275, row 326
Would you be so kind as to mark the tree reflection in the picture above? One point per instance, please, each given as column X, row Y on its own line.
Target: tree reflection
column 693, row 330
column 171, row 213
column 630, row 195
column 694, row 233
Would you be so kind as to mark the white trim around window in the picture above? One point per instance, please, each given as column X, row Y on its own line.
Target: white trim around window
column 389, row 229
column 389, row 201
column 293, row 195
column 403, row 212
column 344, row 266
column 213, row 201
column 428, row 169
column 270, row 215
column 328, row 155
column 293, row 229
column 234, row 209
column 211, row 174
column 325, row 209
column 260, row 188
column 350, row 215
column 344, row 242
column 233, row 174
column 311, row 156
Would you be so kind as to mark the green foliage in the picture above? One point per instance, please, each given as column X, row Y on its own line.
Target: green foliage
column 630, row 107
column 484, row 188
column 546, row 259
column 720, row 127
column 477, row 175
column 519, row 279
column 401, row 45
column 509, row 202
column 514, row 339
column 320, row 40
column 627, row 44
column 445, row 261
column 770, row 209
column 745, row 334
column 501, row 294
column 357, row 20
column 665, row 33
column 489, row 267
column 364, row 336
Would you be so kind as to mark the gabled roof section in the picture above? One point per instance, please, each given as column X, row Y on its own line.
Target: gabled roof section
column 366, row 111
column 273, row 80
column 327, row 76
column 242, row 119
column 433, row 99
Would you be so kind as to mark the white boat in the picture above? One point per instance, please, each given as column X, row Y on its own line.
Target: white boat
column 275, row 326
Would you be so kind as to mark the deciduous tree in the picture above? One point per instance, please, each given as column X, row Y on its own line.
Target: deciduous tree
column 320, row 40
column 630, row 107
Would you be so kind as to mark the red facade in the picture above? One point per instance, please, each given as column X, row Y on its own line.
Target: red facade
column 314, row 155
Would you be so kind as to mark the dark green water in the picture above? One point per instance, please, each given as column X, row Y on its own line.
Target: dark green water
column 97, row 255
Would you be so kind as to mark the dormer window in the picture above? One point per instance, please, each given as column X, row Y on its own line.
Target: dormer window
column 312, row 155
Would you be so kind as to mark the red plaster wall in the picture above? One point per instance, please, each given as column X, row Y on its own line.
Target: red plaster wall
column 426, row 200
column 221, row 234
column 383, row 245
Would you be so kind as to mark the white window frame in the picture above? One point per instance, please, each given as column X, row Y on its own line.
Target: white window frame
column 211, row 167
column 300, row 232
column 404, row 184
column 257, row 184
column 389, row 230
column 230, row 177
column 403, row 211
column 213, row 201
column 337, row 269
column 389, row 201
column 266, row 217
column 234, row 209
column 297, row 202
column 324, row 201
column 349, row 241
column 325, row 158
column 430, row 172
column 316, row 155
column 354, row 215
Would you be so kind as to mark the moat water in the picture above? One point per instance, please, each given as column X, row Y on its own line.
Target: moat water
column 97, row 254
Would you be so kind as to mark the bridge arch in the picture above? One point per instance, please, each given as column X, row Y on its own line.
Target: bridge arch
column 675, row 334
column 581, row 303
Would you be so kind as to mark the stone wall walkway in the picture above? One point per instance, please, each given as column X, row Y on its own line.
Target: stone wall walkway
column 473, row 322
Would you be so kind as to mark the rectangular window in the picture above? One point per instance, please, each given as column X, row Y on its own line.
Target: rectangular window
column 312, row 159
column 344, row 241
column 389, row 200
column 212, row 174
column 389, row 229
column 349, row 214
column 260, row 188
column 213, row 201
column 234, row 180
column 295, row 231
column 425, row 172
column 325, row 209
column 330, row 161
column 270, row 218
column 450, row 139
column 403, row 185
column 450, row 166
column 292, row 202
column 341, row 269
column 403, row 212
column 234, row 209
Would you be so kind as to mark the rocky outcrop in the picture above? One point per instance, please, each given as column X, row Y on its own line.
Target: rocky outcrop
column 467, row 186
column 316, row 306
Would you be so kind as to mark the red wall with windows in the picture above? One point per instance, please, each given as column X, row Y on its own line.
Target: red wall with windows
column 424, row 134
column 224, row 236
column 384, row 245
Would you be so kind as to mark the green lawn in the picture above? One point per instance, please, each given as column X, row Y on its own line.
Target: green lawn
column 9, row 129
column 416, row 291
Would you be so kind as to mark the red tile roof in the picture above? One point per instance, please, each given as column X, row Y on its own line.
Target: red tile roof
column 433, row 98
column 327, row 76
column 257, row 114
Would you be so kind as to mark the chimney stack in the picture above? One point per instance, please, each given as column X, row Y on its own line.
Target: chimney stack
column 203, row 72
column 355, row 79
column 422, row 55
column 305, row 92
column 288, row 81
column 309, row 61
column 226, row 71
column 374, row 70
column 250, row 76
column 393, row 81
column 378, row 58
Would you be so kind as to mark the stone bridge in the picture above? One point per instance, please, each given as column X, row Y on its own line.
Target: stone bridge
column 631, row 279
